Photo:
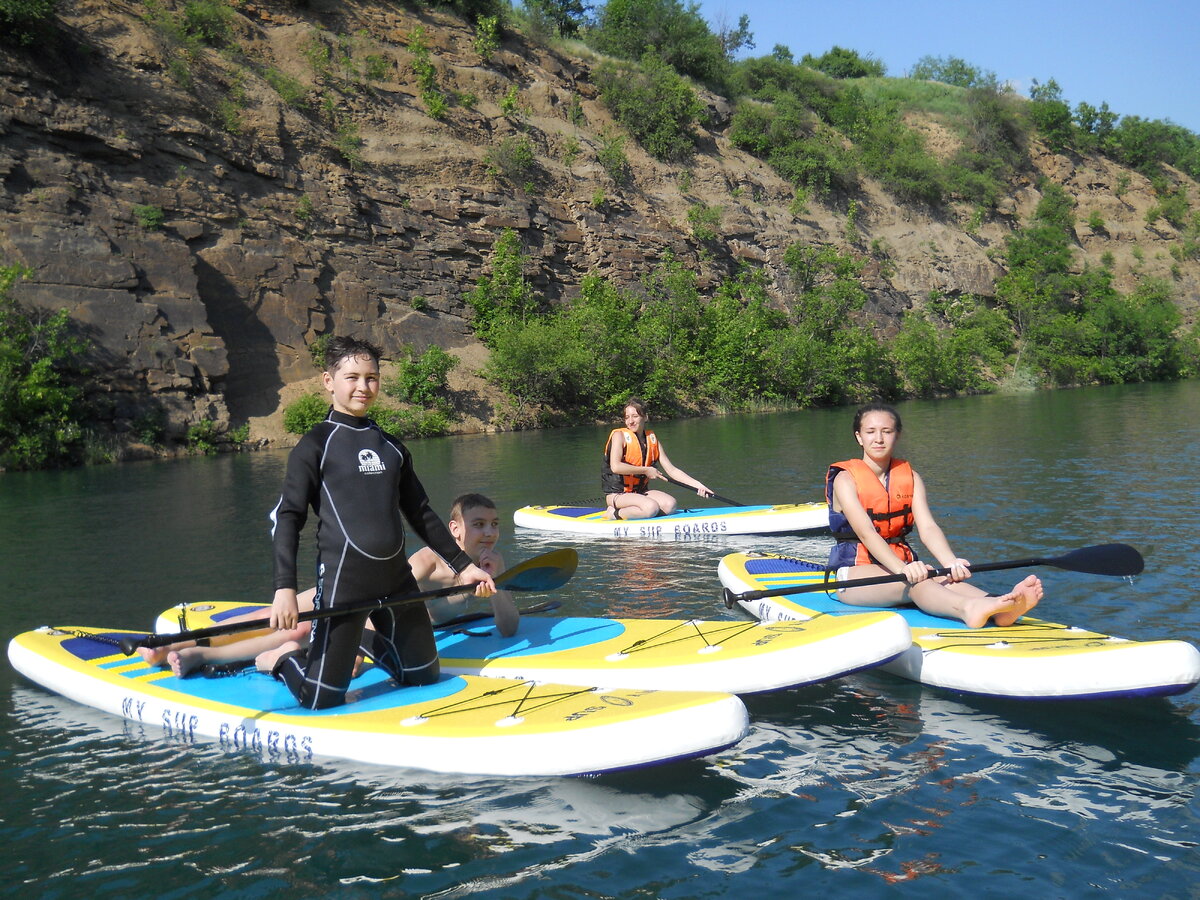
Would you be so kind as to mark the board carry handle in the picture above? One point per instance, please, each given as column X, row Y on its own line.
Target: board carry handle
column 541, row 573
column 1119, row 560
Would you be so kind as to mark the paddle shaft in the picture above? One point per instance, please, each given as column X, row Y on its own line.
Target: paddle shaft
column 1103, row 559
column 714, row 496
column 559, row 563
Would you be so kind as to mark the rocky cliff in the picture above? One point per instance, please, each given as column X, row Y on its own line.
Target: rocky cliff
column 206, row 212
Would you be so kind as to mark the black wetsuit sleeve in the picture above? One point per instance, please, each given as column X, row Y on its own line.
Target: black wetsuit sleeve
column 415, row 505
column 301, row 490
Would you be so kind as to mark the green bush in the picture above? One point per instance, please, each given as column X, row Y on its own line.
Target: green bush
column 957, row 346
column 1051, row 114
column 202, row 438
column 678, row 35
column 704, row 221
column 796, row 145
column 512, row 159
column 510, row 103
column 565, row 17
column 504, row 297
column 612, row 159
column 1075, row 327
column 431, row 94
column 487, row 36
column 410, row 423
column 150, row 426
column 839, row 62
column 41, row 408
column 316, row 350
column 149, row 217
column 207, row 21
column 953, row 70
column 422, row 379
column 654, row 104
column 302, row 414
column 22, row 21
column 290, row 91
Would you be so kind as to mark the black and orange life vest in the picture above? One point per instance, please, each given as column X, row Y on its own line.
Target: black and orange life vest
column 890, row 509
column 610, row 481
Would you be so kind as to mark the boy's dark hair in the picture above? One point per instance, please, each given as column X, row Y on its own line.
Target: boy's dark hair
column 463, row 502
column 340, row 349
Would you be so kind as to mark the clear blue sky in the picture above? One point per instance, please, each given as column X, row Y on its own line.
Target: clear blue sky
column 1142, row 58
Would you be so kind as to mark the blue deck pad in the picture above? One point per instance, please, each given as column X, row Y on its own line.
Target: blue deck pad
column 370, row 691
column 534, row 636
column 103, row 643
column 581, row 512
column 772, row 573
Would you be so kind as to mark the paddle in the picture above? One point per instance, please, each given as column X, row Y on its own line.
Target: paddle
column 1101, row 559
column 463, row 619
column 541, row 573
column 714, row 496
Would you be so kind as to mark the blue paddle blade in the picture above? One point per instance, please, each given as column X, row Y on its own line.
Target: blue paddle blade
column 543, row 573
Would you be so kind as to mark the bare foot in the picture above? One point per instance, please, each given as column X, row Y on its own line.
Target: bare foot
column 1025, row 594
column 265, row 661
column 154, row 656
column 184, row 662
column 1005, row 609
column 611, row 513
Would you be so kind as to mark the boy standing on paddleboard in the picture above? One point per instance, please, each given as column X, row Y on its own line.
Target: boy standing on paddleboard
column 360, row 482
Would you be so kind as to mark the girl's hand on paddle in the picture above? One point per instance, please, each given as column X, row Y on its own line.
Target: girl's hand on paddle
column 960, row 569
column 702, row 491
column 473, row 574
column 916, row 571
column 285, row 613
column 652, row 473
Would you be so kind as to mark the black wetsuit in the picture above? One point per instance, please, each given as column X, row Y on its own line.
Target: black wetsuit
column 358, row 480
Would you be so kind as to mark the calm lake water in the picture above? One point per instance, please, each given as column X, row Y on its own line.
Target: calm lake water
column 844, row 787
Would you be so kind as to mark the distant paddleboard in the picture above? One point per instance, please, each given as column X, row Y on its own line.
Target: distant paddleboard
column 683, row 525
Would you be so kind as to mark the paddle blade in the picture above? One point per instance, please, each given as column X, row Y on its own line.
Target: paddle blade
column 542, row 573
column 1103, row 559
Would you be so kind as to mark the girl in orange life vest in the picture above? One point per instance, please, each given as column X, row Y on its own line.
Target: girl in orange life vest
column 873, row 503
column 628, row 467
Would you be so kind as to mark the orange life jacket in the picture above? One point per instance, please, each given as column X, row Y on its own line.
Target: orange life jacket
column 890, row 510
column 610, row 481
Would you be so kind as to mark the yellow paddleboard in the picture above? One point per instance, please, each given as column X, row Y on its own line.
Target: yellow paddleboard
column 1032, row 659
column 458, row 724
column 740, row 657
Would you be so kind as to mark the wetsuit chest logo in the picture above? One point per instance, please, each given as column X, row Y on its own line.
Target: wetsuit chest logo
column 369, row 462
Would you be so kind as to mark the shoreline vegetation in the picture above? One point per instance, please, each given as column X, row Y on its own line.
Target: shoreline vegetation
column 826, row 124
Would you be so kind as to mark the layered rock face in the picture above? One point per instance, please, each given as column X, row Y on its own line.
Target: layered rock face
column 205, row 213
